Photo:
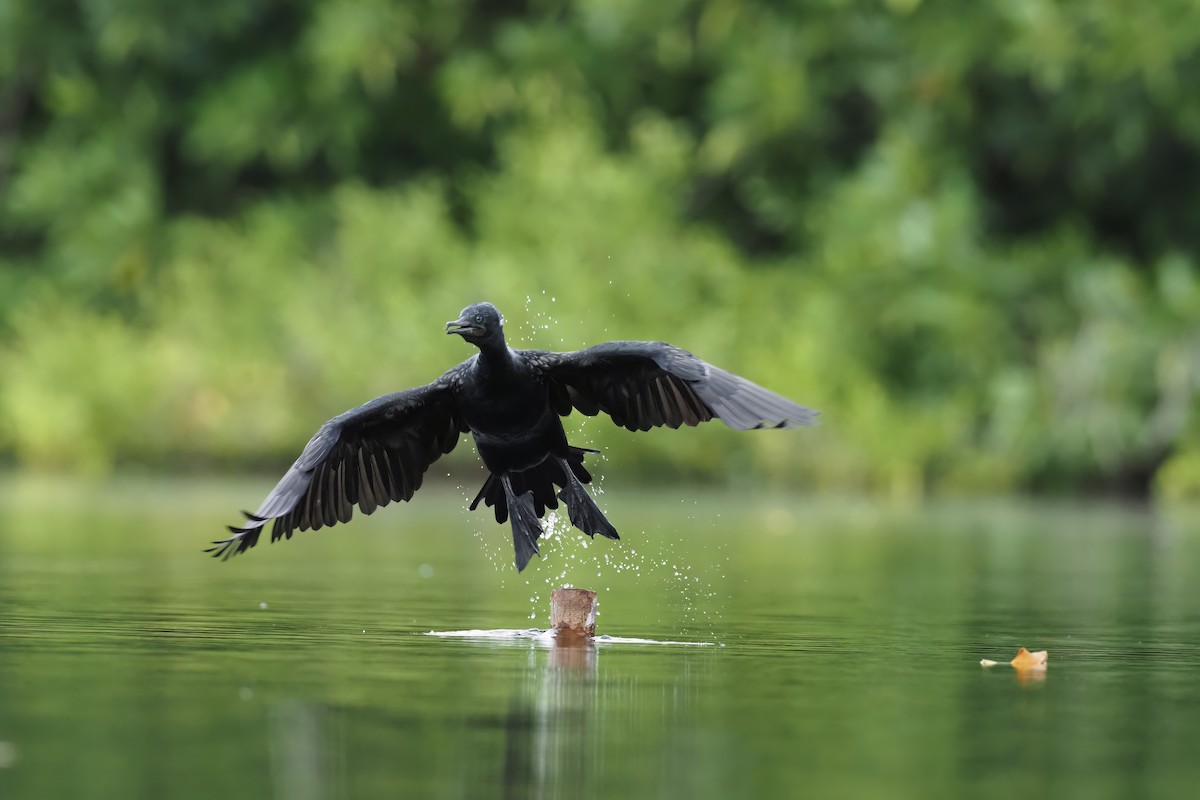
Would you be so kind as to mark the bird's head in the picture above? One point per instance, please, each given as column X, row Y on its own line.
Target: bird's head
column 478, row 323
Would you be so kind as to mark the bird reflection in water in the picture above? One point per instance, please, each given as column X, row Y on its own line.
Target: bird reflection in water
column 552, row 723
column 561, row 728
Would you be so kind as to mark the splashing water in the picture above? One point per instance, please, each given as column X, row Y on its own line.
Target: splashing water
column 570, row 558
column 532, row 328
column 497, row 549
column 660, row 558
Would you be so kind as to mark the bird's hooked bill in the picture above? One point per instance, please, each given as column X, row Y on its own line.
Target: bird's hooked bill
column 460, row 326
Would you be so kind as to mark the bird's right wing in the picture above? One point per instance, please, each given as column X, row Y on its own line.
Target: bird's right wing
column 368, row 456
column 642, row 385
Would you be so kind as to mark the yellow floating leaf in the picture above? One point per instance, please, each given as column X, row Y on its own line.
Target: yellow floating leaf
column 1028, row 660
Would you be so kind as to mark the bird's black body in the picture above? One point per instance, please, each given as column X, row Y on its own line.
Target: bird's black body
column 507, row 409
column 511, row 401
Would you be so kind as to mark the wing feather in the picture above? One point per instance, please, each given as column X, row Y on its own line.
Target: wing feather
column 642, row 385
column 366, row 492
column 368, row 456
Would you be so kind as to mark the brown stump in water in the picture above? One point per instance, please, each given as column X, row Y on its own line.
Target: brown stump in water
column 573, row 613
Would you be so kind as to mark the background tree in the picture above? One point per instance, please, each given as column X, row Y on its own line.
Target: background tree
column 964, row 231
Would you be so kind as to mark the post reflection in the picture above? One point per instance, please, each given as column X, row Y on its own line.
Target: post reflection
column 522, row 719
column 304, row 762
column 553, row 719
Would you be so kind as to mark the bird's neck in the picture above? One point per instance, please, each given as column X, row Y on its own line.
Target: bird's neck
column 495, row 358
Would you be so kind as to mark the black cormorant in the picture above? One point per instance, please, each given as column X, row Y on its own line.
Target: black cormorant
column 510, row 401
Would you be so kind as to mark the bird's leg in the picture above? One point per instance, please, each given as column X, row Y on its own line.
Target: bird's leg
column 581, row 508
column 525, row 526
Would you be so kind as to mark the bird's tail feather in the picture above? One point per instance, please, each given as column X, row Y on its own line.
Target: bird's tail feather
column 540, row 480
column 584, row 512
column 525, row 529
column 525, row 526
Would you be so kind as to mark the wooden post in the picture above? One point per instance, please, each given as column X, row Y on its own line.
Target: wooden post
column 573, row 613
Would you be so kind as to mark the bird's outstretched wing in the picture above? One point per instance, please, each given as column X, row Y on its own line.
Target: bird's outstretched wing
column 642, row 385
column 368, row 456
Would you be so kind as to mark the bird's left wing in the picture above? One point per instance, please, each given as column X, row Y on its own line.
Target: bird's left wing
column 642, row 385
column 368, row 456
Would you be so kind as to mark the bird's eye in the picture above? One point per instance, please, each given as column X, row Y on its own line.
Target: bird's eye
column 479, row 317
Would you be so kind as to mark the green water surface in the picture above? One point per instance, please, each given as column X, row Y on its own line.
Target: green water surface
column 843, row 658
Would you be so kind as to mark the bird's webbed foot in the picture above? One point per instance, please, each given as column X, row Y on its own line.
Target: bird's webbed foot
column 582, row 509
column 526, row 527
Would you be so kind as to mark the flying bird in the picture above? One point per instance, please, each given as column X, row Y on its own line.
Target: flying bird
column 511, row 401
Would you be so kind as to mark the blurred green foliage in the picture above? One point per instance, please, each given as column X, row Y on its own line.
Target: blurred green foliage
column 964, row 232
